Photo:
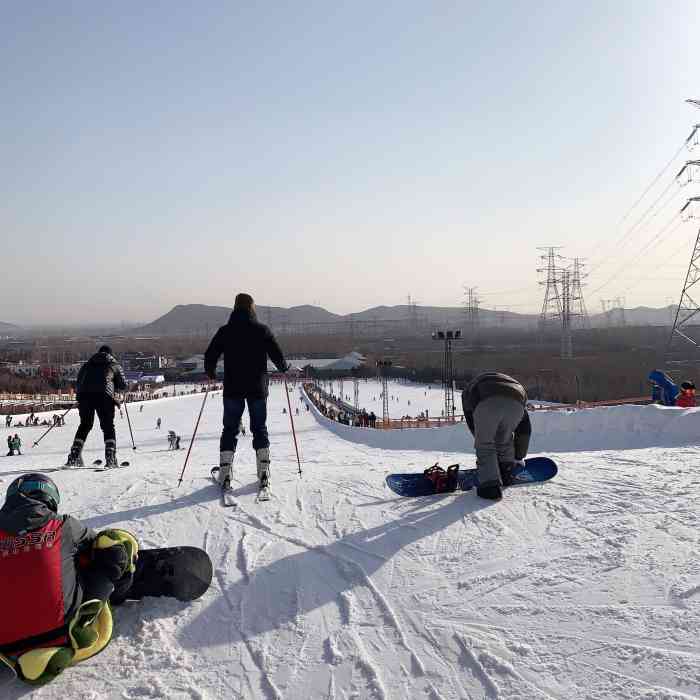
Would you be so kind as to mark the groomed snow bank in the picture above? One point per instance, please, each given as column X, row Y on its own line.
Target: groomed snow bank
column 601, row 428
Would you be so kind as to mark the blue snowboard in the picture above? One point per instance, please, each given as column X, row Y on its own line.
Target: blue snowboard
column 537, row 469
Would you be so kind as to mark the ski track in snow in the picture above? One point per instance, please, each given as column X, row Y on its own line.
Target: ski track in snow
column 585, row 587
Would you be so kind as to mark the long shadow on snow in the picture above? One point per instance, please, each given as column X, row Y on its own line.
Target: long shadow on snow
column 275, row 594
column 187, row 500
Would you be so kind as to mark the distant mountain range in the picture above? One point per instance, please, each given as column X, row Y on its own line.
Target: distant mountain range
column 8, row 327
column 200, row 319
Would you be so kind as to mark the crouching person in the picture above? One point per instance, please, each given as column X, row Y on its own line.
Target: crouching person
column 494, row 409
column 57, row 578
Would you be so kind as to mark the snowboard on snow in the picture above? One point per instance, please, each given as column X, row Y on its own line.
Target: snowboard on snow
column 184, row 573
column 536, row 470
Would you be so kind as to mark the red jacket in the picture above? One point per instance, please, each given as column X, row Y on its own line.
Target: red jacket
column 686, row 399
column 39, row 586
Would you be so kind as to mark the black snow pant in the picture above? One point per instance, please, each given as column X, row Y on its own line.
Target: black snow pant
column 103, row 405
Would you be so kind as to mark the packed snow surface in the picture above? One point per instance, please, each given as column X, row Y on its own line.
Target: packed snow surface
column 584, row 587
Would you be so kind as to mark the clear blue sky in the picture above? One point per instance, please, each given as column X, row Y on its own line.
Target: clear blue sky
column 162, row 153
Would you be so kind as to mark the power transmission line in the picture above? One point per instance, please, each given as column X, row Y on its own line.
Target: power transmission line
column 613, row 277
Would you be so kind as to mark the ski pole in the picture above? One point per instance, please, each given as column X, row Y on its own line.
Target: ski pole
column 128, row 420
column 196, row 425
column 63, row 415
column 289, row 403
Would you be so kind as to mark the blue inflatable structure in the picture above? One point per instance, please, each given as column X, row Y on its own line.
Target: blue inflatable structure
column 663, row 390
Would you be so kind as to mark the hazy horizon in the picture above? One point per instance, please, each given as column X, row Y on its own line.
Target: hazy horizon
column 340, row 156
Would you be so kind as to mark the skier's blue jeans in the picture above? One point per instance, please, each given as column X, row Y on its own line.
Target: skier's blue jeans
column 233, row 412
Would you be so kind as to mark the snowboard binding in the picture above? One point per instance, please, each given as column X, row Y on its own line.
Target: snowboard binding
column 443, row 481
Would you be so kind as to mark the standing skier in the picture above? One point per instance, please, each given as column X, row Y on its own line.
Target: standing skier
column 246, row 344
column 98, row 379
column 494, row 409
column 57, row 576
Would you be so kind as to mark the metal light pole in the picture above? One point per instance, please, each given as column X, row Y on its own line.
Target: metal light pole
column 447, row 336
column 381, row 366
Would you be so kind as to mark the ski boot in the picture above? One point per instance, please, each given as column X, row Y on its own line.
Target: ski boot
column 75, row 458
column 262, row 457
column 225, row 467
column 111, row 454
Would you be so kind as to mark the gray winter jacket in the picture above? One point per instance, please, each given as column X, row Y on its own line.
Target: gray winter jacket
column 489, row 384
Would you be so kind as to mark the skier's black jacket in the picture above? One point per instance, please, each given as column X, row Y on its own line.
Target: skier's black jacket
column 246, row 344
column 101, row 374
column 497, row 384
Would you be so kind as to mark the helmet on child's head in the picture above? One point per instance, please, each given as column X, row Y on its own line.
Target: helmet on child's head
column 687, row 386
column 37, row 486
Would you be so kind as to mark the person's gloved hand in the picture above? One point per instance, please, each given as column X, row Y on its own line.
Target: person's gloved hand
column 112, row 561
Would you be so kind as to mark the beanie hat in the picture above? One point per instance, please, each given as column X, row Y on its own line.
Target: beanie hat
column 243, row 301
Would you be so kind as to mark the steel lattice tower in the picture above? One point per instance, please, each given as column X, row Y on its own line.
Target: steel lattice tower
column 471, row 311
column 566, row 340
column 551, row 306
column 578, row 305
column 382, row 365
column 356, row 392
column 688, row 307
column 448, row 383
column 412, row 314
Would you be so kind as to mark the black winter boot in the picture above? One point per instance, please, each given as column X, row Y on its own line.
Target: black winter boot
column 491, row 490
column 75, row 455
column 506, row 469
column 111, row 454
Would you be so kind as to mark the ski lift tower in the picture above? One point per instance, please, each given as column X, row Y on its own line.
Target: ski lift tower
column 355, row 389
column 448, row 379
column 382, row 366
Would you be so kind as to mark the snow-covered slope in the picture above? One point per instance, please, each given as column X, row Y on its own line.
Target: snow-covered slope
column 585, row 587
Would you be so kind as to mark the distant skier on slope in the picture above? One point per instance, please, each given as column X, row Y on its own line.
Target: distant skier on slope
column 98, row 379
column 494, row 409
column 57, row 577
column 245, row 344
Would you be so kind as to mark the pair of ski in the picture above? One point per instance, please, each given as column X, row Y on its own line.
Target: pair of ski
column 100, row 468
column 96, row 466
column 228, row 499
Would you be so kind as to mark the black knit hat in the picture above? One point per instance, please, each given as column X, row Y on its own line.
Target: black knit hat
column 106, row 349
column 243, row 302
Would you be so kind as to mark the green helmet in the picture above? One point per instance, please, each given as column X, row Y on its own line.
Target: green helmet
column 37, row 486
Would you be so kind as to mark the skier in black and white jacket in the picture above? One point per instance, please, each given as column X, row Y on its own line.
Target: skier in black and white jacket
column 98, row 379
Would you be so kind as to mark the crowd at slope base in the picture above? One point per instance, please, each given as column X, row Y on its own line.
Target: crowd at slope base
column 337, row 410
